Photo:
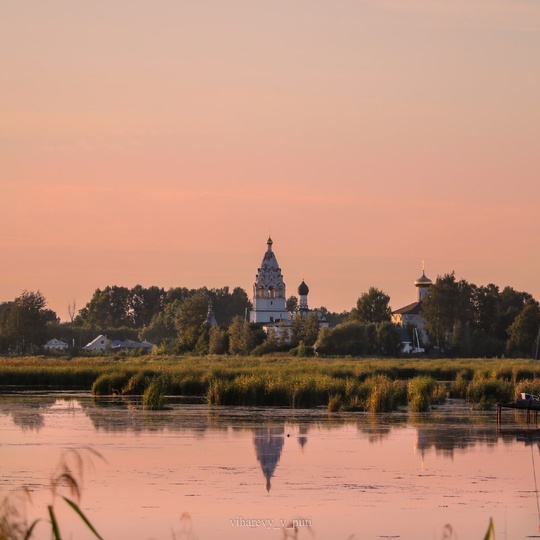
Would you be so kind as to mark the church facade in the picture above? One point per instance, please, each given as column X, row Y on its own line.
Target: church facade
column 269, row 293
column 270, row 300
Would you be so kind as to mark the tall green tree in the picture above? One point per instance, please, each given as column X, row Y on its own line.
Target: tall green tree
column 108, row 308
column 388, row 339
column 144, row 303
column 447, row 305
column 372, row 307
column 240, row 337
column 189, row 320
column 23, row 323
column 228, row 305
column 524, row 331
column 511, row 303
column 485, row 305
column 305, row 329
column 218, row 342
column 291, row 304
column 162, row 327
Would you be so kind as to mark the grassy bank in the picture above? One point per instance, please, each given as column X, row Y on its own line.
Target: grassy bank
column 338, row 383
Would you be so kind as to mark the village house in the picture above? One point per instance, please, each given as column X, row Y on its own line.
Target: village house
column 101, row 343
column 56, row 345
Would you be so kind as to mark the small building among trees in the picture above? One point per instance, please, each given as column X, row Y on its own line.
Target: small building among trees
column 410, row 316
column 56, row 345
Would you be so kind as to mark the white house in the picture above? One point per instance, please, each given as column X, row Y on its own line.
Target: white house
column 56, row 345
column 101, row 343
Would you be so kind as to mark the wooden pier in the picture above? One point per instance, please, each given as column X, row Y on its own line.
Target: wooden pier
column 531, row 406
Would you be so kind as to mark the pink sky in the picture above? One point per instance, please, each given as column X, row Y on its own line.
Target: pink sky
column 161, row 143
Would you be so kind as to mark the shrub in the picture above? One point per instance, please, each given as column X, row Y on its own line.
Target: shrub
column 154, row 395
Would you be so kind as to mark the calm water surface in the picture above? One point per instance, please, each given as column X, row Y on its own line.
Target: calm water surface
column 200, row 472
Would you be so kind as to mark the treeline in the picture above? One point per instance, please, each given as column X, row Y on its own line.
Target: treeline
column 179, row 320
column 481, row 321
column 461, row 318
column 196, row 321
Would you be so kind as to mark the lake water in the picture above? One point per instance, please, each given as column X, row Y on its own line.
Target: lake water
column 199, row 472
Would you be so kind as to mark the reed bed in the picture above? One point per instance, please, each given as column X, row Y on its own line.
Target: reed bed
column 154, row 394
column 424, row 392
column 375, row 385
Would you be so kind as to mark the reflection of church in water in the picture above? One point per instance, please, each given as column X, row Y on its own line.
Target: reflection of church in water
column 268, row 442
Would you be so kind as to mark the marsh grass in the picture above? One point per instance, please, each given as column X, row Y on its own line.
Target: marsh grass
column 383, row 394
column 374, row 385
column 458, row 387
column 154, row 395
column 484, row 392
column 110, row 383
column 423, row 392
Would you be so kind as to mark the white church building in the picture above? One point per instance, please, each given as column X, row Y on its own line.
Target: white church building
column 269, row 299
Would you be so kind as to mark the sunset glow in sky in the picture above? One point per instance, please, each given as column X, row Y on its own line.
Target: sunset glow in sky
column 161, row 143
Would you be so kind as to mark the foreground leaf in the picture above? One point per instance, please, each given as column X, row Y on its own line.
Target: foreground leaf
column 82, row 516
column 54, row 524
column 491, row 531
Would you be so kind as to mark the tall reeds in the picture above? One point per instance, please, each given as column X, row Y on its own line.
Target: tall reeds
column 361, row 384
column 423, row 392
column 485, row 391
column 383, row 394
column 154, row 396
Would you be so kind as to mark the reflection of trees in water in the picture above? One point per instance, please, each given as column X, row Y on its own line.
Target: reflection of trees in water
column 528, row 436
column 27, row 412
column 124, row 414
column 378, row 427
column 268, row 442
column 443, row 430
column 446, row 437
column 302, row 436
column 446, row 431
